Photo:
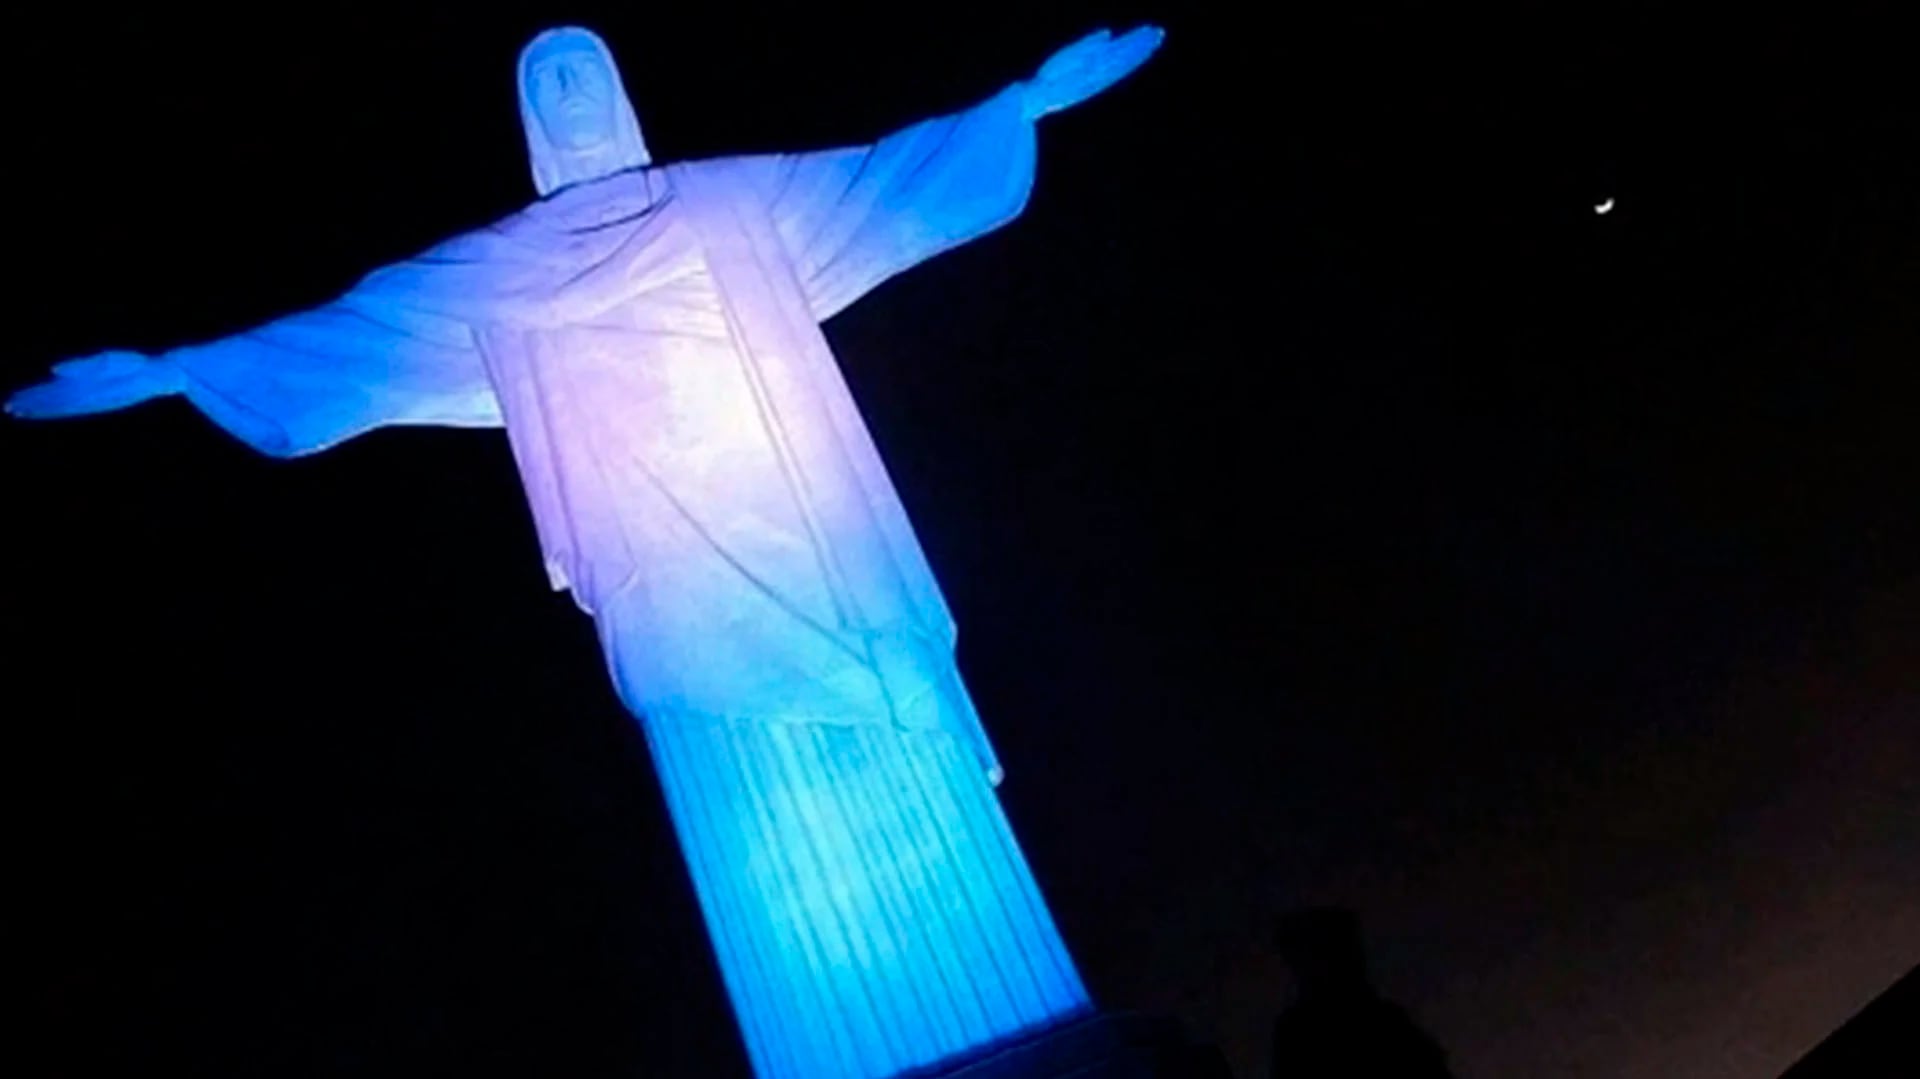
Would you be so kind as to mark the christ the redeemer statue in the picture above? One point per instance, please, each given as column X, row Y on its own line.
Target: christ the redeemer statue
column 703, row 485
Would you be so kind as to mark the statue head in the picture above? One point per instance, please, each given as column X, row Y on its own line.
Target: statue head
column 579, row 124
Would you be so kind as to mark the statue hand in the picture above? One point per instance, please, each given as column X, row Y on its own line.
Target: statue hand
column 99, row 383
column 1087, row 67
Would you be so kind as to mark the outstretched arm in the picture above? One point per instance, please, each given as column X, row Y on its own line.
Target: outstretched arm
column 853, row 217
column 298, row 384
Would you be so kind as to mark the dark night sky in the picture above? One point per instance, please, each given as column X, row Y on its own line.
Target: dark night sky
column 1335, row 509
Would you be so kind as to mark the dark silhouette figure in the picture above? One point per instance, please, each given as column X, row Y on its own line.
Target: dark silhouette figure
column 1338, row 1025
column 1203, row 1062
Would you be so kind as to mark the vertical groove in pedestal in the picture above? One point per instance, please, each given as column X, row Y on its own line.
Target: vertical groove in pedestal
column 869, row 907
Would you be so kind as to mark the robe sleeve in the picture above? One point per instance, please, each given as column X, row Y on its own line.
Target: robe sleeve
column 853, row 217
column 311, row 380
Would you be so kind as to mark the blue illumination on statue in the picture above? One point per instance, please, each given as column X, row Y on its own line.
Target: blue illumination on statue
column 702, row 484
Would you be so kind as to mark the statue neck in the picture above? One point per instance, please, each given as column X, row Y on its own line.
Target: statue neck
column 586, row 166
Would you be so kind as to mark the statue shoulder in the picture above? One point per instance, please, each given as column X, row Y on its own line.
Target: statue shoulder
column 490, row 241
column 752, row 177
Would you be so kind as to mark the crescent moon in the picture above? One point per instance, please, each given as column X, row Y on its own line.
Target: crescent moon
column 1603, row 207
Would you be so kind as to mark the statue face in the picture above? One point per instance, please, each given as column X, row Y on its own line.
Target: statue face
column 573, row 94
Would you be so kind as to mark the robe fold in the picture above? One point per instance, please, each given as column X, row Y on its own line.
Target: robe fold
column 702, row 483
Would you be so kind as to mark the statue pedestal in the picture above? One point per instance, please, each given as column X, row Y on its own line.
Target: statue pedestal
column 1100, row 1047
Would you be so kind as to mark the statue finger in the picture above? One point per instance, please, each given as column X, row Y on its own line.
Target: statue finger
column 101, row 365
column 1132, row 50
column 37, row 402
column 1142, row 41
column 1077, row 55
column 58, row 398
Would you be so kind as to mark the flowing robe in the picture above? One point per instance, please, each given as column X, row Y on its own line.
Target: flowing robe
column 702, row 483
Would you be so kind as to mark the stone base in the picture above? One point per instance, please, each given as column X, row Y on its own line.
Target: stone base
column 1100, row 1047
